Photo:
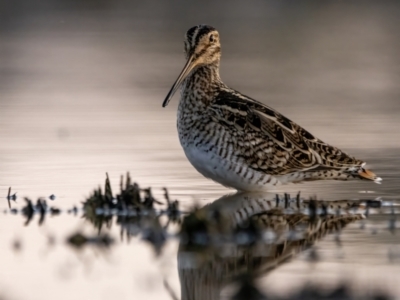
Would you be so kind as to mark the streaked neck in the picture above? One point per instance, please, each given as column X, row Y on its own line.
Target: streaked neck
column 202, row 83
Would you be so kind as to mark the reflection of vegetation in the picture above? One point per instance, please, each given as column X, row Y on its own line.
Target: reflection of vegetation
column 79, row 240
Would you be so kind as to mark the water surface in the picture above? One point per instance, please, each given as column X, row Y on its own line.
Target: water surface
column 81, row 93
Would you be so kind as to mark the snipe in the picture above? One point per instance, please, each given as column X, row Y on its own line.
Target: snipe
column 240, row 142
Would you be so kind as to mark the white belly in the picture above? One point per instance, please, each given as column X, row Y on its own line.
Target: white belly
column 226, row 172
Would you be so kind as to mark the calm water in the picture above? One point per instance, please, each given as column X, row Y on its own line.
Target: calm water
column 81, row 93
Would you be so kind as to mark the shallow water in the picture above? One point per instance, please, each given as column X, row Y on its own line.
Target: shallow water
column 81, row 93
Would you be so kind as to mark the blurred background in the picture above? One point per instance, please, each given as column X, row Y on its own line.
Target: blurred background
column 82, row 82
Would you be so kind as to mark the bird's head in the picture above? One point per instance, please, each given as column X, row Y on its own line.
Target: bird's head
column 202, row 47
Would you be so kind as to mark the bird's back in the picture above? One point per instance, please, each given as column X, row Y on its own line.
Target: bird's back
column 256, row 143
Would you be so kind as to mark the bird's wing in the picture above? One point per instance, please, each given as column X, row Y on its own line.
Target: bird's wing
column 272, row 143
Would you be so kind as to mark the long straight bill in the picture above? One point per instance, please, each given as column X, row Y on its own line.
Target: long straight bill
column 186, row 70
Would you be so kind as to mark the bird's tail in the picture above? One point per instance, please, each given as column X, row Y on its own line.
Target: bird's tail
column 368, row 175
column 354, row 172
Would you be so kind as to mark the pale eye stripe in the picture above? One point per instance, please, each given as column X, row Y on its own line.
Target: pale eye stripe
column 190, row 33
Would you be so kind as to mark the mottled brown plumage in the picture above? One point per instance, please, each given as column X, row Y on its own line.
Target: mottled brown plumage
column 240, row 142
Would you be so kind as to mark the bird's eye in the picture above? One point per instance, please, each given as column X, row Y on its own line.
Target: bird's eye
column 212, row 38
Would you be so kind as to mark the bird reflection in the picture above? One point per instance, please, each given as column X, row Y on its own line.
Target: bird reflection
column 247, row 235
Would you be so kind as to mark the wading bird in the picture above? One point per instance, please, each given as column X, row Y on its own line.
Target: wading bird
column 240, row 142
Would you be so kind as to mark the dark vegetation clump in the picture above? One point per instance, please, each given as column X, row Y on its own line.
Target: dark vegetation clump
column 130, row 198
column 135, row 211
column 41, row 208
column 131, row 202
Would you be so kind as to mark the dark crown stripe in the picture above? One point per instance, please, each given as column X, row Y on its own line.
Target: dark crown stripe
column 190, row 33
